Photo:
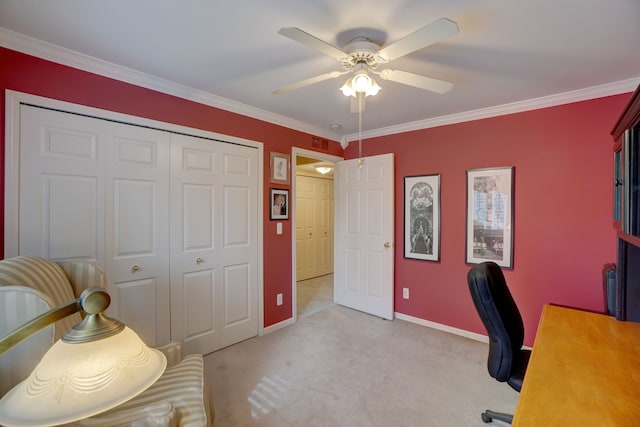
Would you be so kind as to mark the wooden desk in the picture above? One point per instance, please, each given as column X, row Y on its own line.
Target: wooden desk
column 584, row 371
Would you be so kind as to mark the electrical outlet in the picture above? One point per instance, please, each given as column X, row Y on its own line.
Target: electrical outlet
column 279, row 299
column 405, row 293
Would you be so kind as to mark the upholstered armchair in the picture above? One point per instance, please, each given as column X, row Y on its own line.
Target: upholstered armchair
column 30, row 286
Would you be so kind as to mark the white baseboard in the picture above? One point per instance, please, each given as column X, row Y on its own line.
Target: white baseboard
column 279, row 325
column 441, row 327
column 406, row 318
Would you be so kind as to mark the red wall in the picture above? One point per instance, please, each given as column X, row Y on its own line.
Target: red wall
column 563, row 192
column 563, row 208
column 27, row 74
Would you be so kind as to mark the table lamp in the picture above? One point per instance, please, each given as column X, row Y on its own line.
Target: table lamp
column 95, row 366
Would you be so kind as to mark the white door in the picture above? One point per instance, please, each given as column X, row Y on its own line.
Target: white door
column 214, row 251
column 363, row 277
column 306, row 233
column 314, row 227
column 324, row 190
column 137, row 227
column 91, row 188
column 61, row 194
column 87, row 187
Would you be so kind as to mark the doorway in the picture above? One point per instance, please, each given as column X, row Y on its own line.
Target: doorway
column 313, row 226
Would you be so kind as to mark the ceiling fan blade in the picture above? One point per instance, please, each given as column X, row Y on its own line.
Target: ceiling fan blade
column 300, row 36
column 425, row 36
column 416, row 80
column 309, row 81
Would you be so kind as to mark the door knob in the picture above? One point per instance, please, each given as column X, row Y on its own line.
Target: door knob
column 135, row 268
column 199, row 260
column 388, row 245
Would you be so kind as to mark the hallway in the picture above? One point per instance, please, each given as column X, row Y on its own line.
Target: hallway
column 314, row 294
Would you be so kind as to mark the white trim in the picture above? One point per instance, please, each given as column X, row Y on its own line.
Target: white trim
column 260, row 231
column 279, row 325
column 12, row 172
column 48, row 51
column 441, row 327
column 51, row 52
column 608, row 89
column 295, row 152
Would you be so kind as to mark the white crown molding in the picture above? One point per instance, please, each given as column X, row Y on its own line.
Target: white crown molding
column 500, row 110
column 60, row 55
column 50, row 52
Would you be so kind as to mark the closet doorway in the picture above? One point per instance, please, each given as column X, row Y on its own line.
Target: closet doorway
column 313, row 231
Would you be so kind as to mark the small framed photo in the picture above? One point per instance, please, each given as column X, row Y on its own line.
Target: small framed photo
column 490, row 216
column 280, row 168
column 422, row 217
column 279, row 204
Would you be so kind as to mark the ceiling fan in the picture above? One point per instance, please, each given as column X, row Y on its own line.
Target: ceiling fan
column 362, row 56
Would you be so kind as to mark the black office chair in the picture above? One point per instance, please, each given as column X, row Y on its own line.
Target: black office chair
column 500, row 316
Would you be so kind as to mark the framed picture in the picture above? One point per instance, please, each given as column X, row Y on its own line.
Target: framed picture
column 490, row 216
column 279, row 203
column 422, row 217
column 280, row 166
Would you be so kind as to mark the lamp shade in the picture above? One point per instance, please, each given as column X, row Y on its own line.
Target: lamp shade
column 77, row 380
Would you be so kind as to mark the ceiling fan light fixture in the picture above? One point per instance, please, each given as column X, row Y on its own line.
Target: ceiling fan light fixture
column 323, row 169
column 374, row 89
column 347, row 89
column 361, row 82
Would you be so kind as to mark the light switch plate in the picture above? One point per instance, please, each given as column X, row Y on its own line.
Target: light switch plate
column 279, row 228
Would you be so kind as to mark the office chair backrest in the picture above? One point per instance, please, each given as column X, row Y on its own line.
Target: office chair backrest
column 500, row 316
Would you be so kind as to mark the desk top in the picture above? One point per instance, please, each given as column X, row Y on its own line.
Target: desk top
column 584, row 371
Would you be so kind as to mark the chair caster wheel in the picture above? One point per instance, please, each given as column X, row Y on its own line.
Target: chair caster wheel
column 486, row 418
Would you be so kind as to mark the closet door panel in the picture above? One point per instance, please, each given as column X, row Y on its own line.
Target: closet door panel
column 195, row 164
column 138, row 300
column 314, row 227
column 69, row 225
column 325, row 226
column 198, row 303
column 237, row 303
column 134, row 234
column 213, row 285
column 239, row 251
column 137, row 228
column 61, row 194
column 306, row 263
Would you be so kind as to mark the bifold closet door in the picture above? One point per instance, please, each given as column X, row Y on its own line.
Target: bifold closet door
column 214, row 249
column 137, row 228
column 92, row 188
column 314, row 227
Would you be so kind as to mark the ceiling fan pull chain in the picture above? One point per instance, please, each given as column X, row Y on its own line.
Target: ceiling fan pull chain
column 360, row 97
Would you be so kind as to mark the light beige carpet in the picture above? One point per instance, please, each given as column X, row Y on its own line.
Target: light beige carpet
column 314, row 294
column 341, row 367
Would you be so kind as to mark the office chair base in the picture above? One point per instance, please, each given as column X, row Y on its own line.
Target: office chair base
column 489, row 415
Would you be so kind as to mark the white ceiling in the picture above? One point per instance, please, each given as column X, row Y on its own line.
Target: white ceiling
column 508, row 53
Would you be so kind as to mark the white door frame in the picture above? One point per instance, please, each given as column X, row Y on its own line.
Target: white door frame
column 295, row 152
column 13, row 99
